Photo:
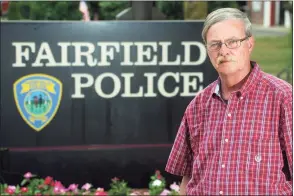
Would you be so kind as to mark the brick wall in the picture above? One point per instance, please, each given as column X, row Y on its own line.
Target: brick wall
column 255, row 17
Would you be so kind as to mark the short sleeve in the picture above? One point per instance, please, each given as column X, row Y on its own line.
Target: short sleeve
column 180, row 158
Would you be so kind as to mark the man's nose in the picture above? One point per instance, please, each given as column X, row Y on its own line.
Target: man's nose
column 224, row 50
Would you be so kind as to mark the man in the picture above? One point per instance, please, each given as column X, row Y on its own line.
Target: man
column 233, row 133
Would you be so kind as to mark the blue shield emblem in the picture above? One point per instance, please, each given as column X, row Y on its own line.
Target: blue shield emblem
column 37, row 97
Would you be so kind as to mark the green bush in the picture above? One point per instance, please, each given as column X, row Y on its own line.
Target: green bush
column 109, row 9
column 173, row 10
column 45, row 10
column 213, row 5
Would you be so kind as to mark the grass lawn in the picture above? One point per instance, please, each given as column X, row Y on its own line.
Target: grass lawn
column 274, row 54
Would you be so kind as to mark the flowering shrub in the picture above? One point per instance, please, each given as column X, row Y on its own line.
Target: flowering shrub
column 118, row 187
column 31, row 185
column 157, row 186
column 48, row 186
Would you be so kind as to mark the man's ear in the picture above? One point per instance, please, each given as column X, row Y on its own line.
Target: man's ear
column 251, row 43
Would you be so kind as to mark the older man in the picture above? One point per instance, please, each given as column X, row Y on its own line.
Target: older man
column 234, row 132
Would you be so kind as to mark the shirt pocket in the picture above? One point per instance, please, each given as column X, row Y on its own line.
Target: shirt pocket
column 260, row 160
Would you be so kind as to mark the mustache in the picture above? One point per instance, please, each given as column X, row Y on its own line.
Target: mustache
column 222, row 59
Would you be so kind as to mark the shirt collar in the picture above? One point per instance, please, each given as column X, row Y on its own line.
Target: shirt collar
column 249, row 84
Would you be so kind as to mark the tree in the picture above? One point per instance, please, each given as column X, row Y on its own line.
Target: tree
column 45, row 10
column 194, row 10
column 213, row 5
column 69, row 10
column 173, row 10
column 109, row 9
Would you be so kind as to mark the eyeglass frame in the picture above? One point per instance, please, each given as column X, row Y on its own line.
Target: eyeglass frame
column 220, row 44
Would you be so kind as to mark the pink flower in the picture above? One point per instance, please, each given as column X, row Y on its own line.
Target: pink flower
column 158, row 175
column 58, row 187
column 73, row 187
column 59, row 190
column 24, row 189
column 62, row 190
column 175, row 187
column 157, row 172
column 28, row 175
column 48, row 180
column 10, row 190
column 100, row 193
column 86, row 186
column 58, row 184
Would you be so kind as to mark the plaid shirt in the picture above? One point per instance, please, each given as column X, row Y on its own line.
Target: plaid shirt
column 236, row 148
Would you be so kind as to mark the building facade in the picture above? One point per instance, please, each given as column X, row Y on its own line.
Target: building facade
column 269, row 13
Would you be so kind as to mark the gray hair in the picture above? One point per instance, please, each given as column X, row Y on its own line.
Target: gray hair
column 225, row 14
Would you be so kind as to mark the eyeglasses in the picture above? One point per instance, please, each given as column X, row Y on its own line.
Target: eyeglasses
column 231, row 44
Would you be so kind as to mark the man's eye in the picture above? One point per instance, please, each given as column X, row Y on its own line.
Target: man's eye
column 232, row 42
column 214, row 45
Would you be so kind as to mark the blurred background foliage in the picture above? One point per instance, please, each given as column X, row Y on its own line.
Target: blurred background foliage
column 69, row 10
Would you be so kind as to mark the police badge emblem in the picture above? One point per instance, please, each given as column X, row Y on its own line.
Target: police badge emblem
column 37, row 97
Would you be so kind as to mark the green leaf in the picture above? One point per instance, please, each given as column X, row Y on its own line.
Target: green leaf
column 23, row 182
column 17, row 189
column 37, row 191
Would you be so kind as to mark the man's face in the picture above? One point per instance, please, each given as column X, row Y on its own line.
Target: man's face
column 228, row 61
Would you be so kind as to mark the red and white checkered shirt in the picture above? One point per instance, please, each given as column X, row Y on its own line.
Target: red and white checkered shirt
column 236, row 148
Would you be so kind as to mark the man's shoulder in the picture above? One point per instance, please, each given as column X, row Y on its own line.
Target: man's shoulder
column 276, row 84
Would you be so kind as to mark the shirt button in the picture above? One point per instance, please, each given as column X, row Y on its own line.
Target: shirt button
column 241, row 98
column 221, row 192
column 226, row 140
column 229, row 114
column 223, row 166
column 257, row 158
